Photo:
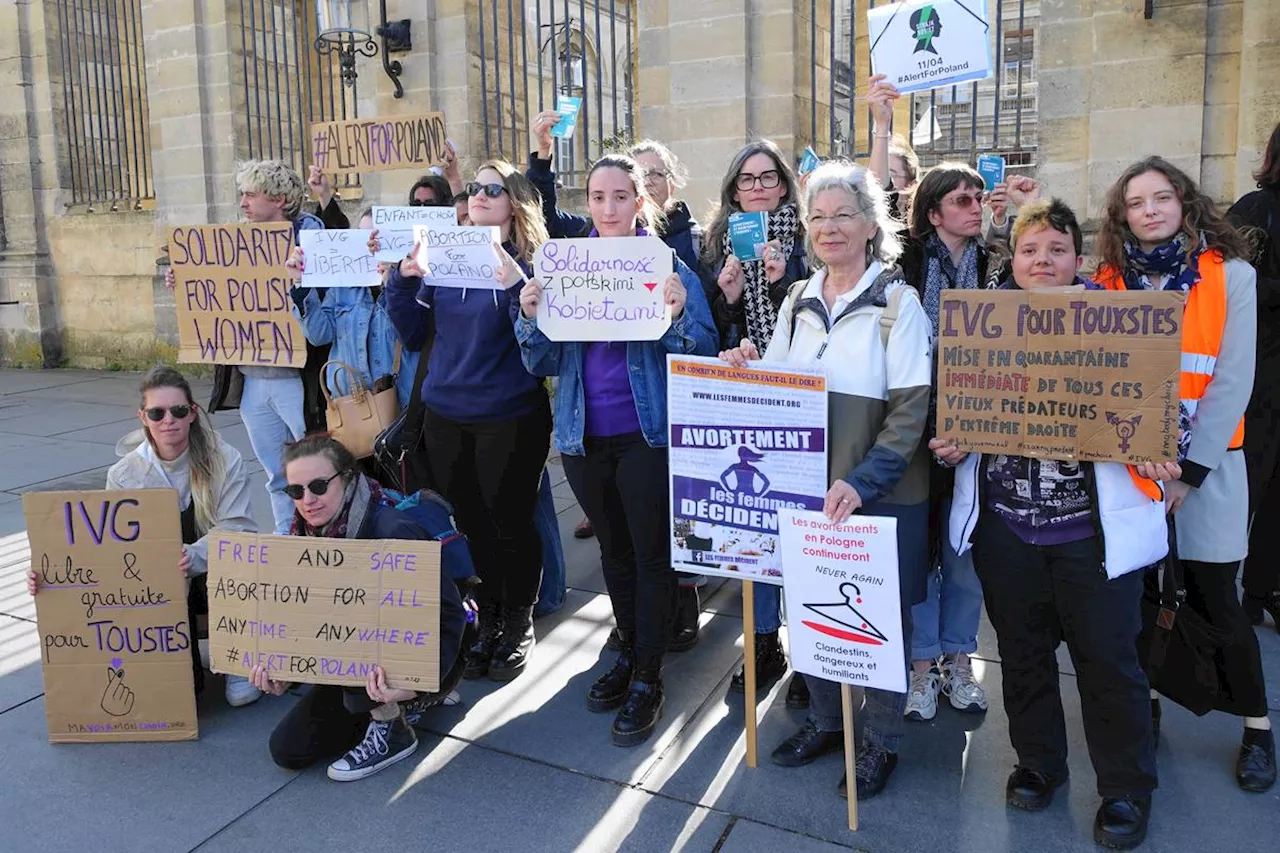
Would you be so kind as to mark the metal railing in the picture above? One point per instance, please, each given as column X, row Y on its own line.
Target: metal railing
column 104, row 97
column 995, row 115
column 532, row 53
column 286, row 84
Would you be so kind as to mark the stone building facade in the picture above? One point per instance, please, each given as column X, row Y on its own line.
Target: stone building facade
column 79, row 263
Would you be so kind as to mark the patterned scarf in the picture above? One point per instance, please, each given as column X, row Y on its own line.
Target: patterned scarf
column 363, row 497
column 1169, row 259
column 942, row 273
column 761, row 315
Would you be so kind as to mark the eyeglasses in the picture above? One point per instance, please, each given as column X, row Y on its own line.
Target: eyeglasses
column 156, row 413
column 317, row 487
column 491, row 190
column 964, row 202
column 768, row 180
column 840, row 220
column 420, row 203
column 656, row 175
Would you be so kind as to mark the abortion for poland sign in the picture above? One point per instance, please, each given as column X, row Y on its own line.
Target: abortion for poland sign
column 603, row 289
column 841, row 585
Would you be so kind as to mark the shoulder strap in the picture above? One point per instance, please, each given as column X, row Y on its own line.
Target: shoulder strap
column 889, row 316
column 413, row 416
column 395, row 365
column 793, row 294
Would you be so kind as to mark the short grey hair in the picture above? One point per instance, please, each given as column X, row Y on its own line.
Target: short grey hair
column 273, row 178
column 868, row 197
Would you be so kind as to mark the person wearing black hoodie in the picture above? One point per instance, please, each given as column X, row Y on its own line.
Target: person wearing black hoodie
column 487, row 427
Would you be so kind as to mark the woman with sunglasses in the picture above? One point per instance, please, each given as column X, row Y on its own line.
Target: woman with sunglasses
column 745, row 305
column 611, row 431
column 178, row 448
column 487, row 422
column 332, row 499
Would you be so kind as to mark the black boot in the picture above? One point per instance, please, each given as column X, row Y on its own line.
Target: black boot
column 1122, row 824
column 1256, row 766
column 684, row 629
column 798, row 693
column 511, row 655
column 481, row 651
column 1256, row 605
column 771, row 664
column 641, row 710
column 610, row 690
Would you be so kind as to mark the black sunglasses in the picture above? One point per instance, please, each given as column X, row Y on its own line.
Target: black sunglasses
column 491, row 190
column 417, row 202
column 317, row 487
column 156, row 413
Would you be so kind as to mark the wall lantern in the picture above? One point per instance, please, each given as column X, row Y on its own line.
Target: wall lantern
column 343, row 32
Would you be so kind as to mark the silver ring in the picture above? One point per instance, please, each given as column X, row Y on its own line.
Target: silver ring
column 844, row 500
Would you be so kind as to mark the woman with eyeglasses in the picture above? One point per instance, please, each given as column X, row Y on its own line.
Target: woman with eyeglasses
column 860, row 320
column 487, row 427
column 333, row 500
column 178, row 448
column 611, row 431
column 745, row 304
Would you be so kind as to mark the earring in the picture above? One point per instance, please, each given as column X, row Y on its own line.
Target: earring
column 870, row 252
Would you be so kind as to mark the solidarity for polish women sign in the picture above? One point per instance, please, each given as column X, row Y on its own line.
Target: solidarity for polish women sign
column 603, row 288
column 746, row 443
column 925, row 44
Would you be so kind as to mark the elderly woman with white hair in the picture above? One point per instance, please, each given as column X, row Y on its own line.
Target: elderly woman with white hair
column 859, row 319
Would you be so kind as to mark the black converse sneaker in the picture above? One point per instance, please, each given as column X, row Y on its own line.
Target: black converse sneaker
column 385, row 743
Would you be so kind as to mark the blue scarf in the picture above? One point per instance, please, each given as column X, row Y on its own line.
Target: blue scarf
column 1168, row 259
column 942, row 273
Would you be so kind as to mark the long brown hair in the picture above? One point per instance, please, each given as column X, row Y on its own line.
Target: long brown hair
column 713, row 245
column 1268, row 175
column 648, row 214
column 1200, row 217
column 207, row 466
column 528, row 228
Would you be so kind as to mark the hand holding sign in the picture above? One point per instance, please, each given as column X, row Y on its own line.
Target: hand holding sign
column 117, row 699
column 880, row 98
column 841, row 502
column 741, row 354
column 674, row 295
column 530, row 296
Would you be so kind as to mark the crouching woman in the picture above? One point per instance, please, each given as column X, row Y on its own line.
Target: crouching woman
column 333, row 499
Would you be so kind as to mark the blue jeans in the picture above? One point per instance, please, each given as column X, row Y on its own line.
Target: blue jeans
column 272, row 413
column 551, row 592
column 768, row 608
column 946, row 622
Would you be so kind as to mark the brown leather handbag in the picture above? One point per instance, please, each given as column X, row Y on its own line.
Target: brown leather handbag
column 358, row 418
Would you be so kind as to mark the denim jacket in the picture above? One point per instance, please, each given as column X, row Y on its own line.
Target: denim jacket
column 692, row 333
column 362, row 336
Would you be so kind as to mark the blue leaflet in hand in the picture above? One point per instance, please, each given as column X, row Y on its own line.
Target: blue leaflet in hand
column 991, row 167
column 568, row 109
column 749, row 232
column 809, row 161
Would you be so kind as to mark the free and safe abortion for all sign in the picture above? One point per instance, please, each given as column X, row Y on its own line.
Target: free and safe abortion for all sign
column 603, row 288
column 924, row 44
column 1080, row 375
column 325, row 611
column 746, row 443
column 232, row 294
column 844, row 618
column 112, row 615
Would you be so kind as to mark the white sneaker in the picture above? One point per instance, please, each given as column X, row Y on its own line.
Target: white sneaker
column 922, row 695
column 240, row 692
column 958, row 685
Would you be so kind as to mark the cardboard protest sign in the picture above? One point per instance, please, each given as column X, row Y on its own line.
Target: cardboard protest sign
column 395, row 228
column 924, row 44
column 603, row 288
column 745, row 443
column 844, row 618
column 459, row 256
column 112, row 615
column 325, row 611
column 1089, row 376
column 378, row 144
column 232, row 295
column 338, row 259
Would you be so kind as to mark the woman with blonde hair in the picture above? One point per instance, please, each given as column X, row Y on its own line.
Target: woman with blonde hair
column 487, row 422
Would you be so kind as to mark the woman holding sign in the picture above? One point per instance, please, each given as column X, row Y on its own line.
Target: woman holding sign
column 751, row 288
column 487, row 426
column 1161, row 232
column 332, row 499
column 858, row 319
column 178, row 448
column 611, row 431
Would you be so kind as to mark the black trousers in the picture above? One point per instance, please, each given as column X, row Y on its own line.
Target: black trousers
column 1038, row 596
column 490, row 473
column 1211, row 591
column 621, row 484
column 326, row 722
column 1262, row 458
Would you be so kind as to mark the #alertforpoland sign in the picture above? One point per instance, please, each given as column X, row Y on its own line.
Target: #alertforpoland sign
column 844, row 621
column 745, row 444
column 923, row 45
column 603, row 288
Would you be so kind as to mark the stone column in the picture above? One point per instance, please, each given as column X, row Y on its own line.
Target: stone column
column 1259, row 87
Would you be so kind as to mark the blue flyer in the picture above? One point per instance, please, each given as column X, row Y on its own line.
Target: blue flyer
column 568, row 109
column 749, row 232
column 809, row 161
column 991, row 168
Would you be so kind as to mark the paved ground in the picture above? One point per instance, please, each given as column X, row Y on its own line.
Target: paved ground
column 525, row 766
